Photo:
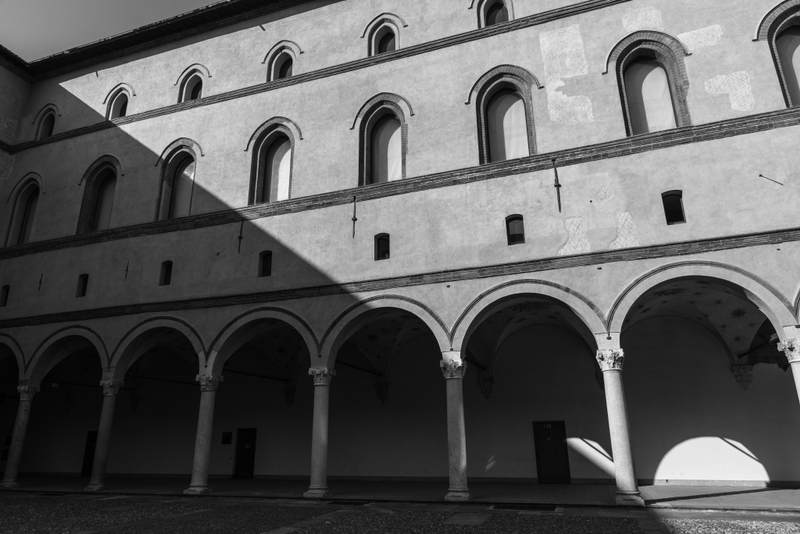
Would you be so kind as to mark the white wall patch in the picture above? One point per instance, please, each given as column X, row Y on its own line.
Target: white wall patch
column 738, row 88
column 702, row 38
column 577, row 243
column 564, row 56
column 646, row 18
column 626, row 232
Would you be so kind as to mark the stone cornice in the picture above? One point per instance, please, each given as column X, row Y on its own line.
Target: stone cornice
column 539, row 162
column 490, row 271
column 326, row 72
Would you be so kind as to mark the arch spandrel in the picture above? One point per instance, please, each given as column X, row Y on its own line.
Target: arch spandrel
column 586, row 311
column 59, row 346
column 10, row 344
column 775, row 306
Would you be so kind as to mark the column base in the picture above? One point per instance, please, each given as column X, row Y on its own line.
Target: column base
column 629, row 499
column 457, row 496
column 11, row 484
column 91, row 488
column 197, row 490
column 316, row 493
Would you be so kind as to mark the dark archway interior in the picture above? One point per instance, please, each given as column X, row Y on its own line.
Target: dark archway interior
column 532, row 360
column 266, row 391
column 707, row 388
column 8, row 401
column 388, row 408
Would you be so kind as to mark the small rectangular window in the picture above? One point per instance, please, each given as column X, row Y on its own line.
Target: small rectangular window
column 165, row 277
column 4, row 291
column 265, row 264
column 83, row 286
column 382, row 247
column 515, row 229
column 673, row 207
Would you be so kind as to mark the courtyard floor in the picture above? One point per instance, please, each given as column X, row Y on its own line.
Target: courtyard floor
column 51, row 512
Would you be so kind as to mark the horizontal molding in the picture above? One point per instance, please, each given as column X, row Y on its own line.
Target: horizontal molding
column 327, row 72
column 701, row 246
column 575, row 156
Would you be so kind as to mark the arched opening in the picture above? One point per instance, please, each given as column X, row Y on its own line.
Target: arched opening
column 98, row 200
column 495, row 12
column 9, row 373
column 533, row 395
column 384, row 148
column 177, row 185
column 273, row 168
column 282, row 66
column 506, row 125
column 707, row 387
column 23, row 215
column 191, row 88
column 384, row 39
column 65, row 412
column 388, row 406
column 118, row 107
column 650, row 101
column 156, row 407
column 47, row 125
column 787, row 47
column 264, row 406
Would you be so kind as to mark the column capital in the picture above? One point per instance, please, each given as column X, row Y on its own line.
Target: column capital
column 321, row 375
column 453, row 369
column 27, row 391
column 611, row 359
column 791, row 347
column 110, row 387
column 208, row 382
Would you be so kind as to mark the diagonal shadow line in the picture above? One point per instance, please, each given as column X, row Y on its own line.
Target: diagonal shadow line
column 703, row 496
column 741, row 449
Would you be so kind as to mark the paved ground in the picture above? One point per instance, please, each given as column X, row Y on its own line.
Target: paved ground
column 84, row 514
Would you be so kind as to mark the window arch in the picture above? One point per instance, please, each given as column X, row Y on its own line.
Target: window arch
column 280, row 60
column 98, row 196
column 491, row 12
column 504, row 110
column 23, row 214
column 46, row 124
column 273, row 159
column 191, row 83
column 177, row 184
column 118, row 105
column 781, row 29
column 383, row 144
column 652, row 81
column 383, row 34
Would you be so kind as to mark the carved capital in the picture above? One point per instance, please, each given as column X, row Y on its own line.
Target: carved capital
column 611, row 359
column 110, row 387
column 27, row 391
column 209, row 383
column 792, row 349
column 453, row 369
column 321, row 375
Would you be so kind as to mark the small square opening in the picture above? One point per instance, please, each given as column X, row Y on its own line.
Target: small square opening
column 165, row 277
column 382, row 247
column 515, row 229
column 673, row 207
column 265, row 264
column 4, row 291
column 83, row 286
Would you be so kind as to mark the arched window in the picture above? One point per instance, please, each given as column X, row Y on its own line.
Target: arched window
column 383, row 138
column 282, row 67
column 515, row 229
column 98, row 199
column 652, row 82
column 177, row 185
column 118, row 105
column 780, row 27
column 272, row 166
column 495, row 12
column 47, row 124
column 386, row 150
column 504, row 108
column 384, row 39
column 23, row 215
column 192, row 87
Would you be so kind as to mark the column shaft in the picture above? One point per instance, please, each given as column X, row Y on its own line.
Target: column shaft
column 318, row 485
column 203, row 439
column 26, row 394
column 102, row 446
column 453, row 369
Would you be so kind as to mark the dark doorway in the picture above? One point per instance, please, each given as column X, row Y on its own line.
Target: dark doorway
column 88, row 453
column 245, row 453
column 552, row 459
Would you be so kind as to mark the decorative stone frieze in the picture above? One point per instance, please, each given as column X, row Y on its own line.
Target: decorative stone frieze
column 321, row 375
column 791, row 348
column 611, row 359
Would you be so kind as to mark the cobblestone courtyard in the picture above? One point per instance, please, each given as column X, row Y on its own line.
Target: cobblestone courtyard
column 84, row 514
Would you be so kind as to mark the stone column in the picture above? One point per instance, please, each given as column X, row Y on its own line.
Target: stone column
column 792, row 350
column 110, row 390
column 453, row 368
column 318, row 486
column 202, row 441
column 26, row 394
column 611, row 361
